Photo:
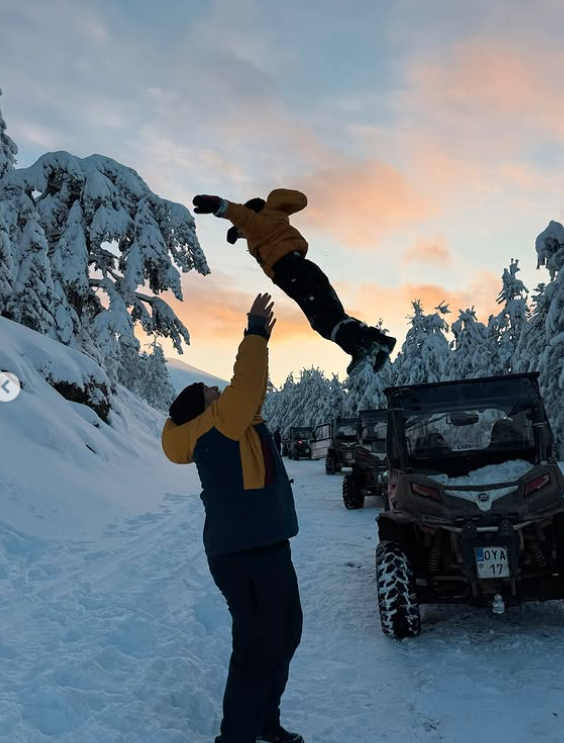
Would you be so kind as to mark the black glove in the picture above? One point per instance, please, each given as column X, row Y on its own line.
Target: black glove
column 256, row 325
column 233, row 235
column 206, row 204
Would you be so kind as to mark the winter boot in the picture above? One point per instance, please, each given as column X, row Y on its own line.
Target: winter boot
column 364, row 343
column 374, row 349
column 280, row 736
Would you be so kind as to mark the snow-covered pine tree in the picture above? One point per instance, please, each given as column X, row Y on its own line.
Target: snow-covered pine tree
column 8, row 151
column 8, row 148
column 277, row 406
column 550, row 250
column 334, row 401
column 505, row 328
column 470, row 357
column 155, row 385
column 100, row 216
column 30, row 301
column 425, row 355
column 6, row 265
column 130, row 372
column 532, row 341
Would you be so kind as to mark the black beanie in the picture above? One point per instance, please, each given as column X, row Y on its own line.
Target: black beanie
column 188, row 405
column 257, row 204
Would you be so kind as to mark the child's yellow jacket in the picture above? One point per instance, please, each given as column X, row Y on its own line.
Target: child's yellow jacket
column 269, row 234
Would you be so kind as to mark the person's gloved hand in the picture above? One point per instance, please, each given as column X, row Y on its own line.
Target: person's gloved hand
column 205, row 204
column 233, row 235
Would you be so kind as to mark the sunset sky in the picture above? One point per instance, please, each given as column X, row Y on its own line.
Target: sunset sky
column 428, row 136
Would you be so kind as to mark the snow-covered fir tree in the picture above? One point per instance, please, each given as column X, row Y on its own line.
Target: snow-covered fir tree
column 155, row 385
column 550, row 250
column 130, row 372
column 31, row 296
column 278, row 403
column 334, row 401
column 6, row 265
column 311, row 400
column 471, row 356
column 8, row 148
column 425, row 356
column 505, row 328
column 532, row 341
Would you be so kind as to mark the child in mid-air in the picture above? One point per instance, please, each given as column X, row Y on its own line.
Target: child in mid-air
column 280, row 250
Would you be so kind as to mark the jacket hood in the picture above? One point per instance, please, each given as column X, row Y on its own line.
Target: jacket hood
column 286, row 200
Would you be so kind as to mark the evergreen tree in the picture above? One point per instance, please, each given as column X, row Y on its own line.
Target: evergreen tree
column 532, row 341
column 550, row 251
column 471, row 356
column 155, row 385
column 505, row 329
column 425, row 356
column 130, row 372
column 31, row 299
column 8, row 148
column 6, row 265
column 98, row 215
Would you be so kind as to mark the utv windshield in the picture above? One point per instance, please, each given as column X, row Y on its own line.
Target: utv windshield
column 461, row 427
column 374, row 429
column 301, row 433
column 345, row 429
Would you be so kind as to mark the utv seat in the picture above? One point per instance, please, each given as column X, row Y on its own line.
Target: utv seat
column 433, row 443
column 505, row 435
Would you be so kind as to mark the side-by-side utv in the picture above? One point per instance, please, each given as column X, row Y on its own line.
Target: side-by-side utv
column 340, row 452
column 369, row 474
column 476, row 507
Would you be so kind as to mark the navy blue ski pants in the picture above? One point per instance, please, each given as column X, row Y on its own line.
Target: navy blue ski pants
column 305, row 283
column 261, row 590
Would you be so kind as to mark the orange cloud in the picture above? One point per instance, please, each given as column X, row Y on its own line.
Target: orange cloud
column 356, row 203
column 435, row 252
column 393, row 305
column 488, row 79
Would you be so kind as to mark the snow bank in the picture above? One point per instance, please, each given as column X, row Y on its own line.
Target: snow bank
column 61, row 467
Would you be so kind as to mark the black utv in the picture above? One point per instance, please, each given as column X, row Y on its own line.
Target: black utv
column 476, row 507
column 341, row 448
column 298, row 442
column 369, row 474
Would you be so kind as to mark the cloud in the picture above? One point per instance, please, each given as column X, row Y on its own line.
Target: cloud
column 491, row 85
column 435, row 252
column 358, row 202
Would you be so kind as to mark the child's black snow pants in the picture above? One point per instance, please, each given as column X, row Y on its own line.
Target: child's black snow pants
column 305, row 283
column 261, row 590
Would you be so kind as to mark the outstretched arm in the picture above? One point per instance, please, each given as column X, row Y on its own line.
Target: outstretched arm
column 242, row 399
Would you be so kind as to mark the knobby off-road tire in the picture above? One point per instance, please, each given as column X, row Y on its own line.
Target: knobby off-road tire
column 397, row 596
column 329, row 464
column 352, row 494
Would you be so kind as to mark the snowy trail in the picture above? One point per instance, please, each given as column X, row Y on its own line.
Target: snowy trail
column 129, row 644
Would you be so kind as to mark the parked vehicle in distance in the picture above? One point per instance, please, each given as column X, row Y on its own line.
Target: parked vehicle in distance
column 369, row 474
column 335, row 441
column 298, row 444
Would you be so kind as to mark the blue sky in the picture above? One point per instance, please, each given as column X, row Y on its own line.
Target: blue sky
column 428, row 137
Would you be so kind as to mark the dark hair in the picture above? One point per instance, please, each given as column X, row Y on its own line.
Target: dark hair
column 257, row 204
column 188, row 405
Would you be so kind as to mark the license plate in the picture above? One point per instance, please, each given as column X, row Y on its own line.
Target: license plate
column 492, row 562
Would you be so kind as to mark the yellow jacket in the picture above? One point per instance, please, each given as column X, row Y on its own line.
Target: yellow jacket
column 269, row 234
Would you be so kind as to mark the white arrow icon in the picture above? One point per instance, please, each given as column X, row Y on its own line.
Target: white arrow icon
column 9, row 386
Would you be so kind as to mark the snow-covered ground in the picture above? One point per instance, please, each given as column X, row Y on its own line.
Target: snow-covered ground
column 112, row 631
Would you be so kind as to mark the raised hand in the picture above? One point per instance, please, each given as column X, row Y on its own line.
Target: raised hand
column 263, row 306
